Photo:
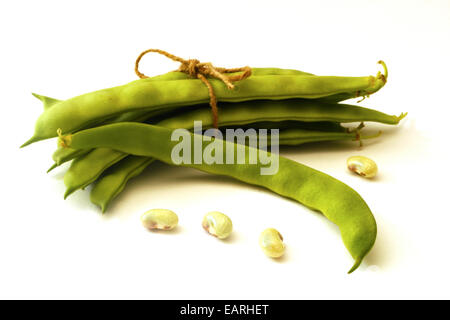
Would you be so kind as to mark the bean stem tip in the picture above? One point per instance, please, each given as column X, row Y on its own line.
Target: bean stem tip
column 355, row 266
column 63, row 140
column 384, row 75
column 401, row 116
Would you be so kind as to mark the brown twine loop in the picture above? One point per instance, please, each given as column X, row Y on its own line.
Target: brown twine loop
column 201, row 70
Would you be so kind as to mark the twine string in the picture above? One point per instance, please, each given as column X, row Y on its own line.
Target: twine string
column 202, row 70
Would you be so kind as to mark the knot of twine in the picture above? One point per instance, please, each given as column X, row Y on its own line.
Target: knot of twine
column 201, row 70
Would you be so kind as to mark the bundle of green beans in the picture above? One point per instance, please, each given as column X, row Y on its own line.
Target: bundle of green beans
column 112, row 135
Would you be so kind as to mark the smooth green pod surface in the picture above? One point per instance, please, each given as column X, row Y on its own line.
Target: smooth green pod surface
column 114, row 181
column 62, row 155
column 338, row 202
column 92, row 108
column 232, row 114
column 86, row 169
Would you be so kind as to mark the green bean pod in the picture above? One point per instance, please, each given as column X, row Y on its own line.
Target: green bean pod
column 316, row 190
column 46, row 101
column 232, row 114
column 256, row 72
column 86, row 169
column 109, row 186
column 113, row 182
column 62, row 155
column 92, row 108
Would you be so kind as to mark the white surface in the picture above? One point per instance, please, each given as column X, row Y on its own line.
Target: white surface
column 51, row 248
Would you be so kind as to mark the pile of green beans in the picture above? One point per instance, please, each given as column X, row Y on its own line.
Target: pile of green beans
column 87, row 168
column 113, row 135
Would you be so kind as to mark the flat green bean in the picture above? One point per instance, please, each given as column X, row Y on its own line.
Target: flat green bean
column 85, row 169
column 328, row 126
column 92, row 108
column 62, row 155
column 316, row 190
column 113, row 181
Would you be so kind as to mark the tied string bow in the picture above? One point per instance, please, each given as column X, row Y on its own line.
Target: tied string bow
column 202, row 70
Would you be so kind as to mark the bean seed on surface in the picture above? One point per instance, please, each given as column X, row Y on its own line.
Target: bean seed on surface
column 362, row 166
column 217, row 224
column 161, row 219
column 271, row 242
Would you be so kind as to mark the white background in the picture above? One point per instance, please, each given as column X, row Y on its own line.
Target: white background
column 51, row 248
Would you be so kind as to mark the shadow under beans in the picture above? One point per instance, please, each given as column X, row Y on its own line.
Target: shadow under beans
column 283, row 259
column 339, row 146
column 232, row 238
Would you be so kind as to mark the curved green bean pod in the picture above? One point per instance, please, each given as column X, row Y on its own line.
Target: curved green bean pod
column 114, row 180
column 62, row 155
column 316, row 190
column 92, row 108
column 86, row 169
column 174, row 75
column 280, row 110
